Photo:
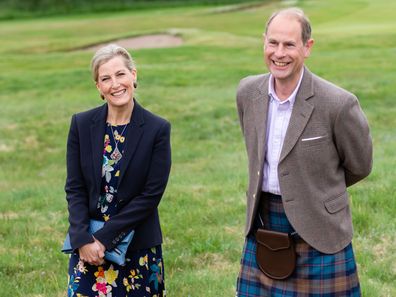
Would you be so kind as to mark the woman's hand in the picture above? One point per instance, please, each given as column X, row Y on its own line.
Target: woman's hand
column 92, row 253
column 101, row 246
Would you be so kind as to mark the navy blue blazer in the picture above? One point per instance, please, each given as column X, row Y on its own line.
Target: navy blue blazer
column 143, row 177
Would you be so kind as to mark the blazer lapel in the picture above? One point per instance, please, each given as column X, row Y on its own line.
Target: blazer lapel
column 133, row 136
column 98, row 128
column 260, row 106
column 301, row 113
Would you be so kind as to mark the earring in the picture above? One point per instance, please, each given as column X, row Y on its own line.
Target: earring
column 101, row 96
column 135, row 84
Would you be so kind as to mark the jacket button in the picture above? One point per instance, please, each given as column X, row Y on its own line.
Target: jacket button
column 258, row 172
column 254, row 195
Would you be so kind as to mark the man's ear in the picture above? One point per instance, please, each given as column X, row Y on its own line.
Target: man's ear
column 308, row 46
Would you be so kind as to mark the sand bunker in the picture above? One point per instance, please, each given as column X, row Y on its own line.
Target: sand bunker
column 145, row 41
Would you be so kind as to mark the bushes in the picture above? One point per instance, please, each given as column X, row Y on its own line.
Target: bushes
column 31, row 8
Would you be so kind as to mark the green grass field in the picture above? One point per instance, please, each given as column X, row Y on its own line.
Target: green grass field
column 43, row 82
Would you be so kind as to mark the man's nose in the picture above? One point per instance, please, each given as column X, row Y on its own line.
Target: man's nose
column 280, row 51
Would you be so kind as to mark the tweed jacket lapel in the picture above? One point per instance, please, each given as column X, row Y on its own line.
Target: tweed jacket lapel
column 98, row 128
column 133, row 136
column 301, row 113
column 260, row 110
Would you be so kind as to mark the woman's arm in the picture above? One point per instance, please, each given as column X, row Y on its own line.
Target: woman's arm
column 76, row 192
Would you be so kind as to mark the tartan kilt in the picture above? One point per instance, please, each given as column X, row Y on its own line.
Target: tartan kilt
column 316, row 274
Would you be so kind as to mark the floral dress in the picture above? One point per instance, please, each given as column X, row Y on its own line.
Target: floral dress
column 143, row 273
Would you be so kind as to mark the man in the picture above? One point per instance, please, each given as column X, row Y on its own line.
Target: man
column 307, row 140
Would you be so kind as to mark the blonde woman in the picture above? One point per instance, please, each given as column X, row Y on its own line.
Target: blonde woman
column 118, row 163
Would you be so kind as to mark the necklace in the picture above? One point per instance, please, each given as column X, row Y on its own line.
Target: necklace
column 116, row 155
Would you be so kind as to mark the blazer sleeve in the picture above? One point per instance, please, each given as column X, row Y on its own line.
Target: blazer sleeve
column 353, row 141
column 76, row 192
column 141, row 206
column 240, row 102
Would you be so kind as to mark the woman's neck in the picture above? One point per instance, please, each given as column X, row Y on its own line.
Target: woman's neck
column 120, row 115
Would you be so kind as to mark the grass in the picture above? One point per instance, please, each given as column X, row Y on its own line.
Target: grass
column 43, row 82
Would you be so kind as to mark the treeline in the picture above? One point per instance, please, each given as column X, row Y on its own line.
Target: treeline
column 31, row 8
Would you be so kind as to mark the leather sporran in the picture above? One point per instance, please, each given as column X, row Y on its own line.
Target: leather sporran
column 276, row 255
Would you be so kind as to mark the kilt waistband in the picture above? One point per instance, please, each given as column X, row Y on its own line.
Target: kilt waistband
column 264, row 209
column 270, row 195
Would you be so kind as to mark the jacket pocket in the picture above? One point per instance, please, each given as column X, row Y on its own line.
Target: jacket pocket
column 315, row 140
column 336, row 204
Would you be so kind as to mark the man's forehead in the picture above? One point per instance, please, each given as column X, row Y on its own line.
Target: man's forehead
column 284, row 25
column 284, row 19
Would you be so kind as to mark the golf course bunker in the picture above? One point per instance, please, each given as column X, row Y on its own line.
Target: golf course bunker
column 144, row 41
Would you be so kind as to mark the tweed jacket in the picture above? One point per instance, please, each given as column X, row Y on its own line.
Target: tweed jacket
column 143, row 177
column 327, row 148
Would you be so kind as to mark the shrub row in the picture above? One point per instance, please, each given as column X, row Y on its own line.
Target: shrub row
column 32, row 8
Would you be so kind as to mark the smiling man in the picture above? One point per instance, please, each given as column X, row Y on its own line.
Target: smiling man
column 307, row 140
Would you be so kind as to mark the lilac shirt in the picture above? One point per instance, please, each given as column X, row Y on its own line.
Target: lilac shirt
column 279, row 113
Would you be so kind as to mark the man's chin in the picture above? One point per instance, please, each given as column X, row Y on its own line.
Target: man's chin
column 279, row 75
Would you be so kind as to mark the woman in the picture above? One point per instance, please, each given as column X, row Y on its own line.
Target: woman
column 118, row 163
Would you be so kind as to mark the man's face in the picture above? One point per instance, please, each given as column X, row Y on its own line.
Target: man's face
column 284, row 51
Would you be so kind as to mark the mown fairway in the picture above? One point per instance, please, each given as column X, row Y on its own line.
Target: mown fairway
column 43, row 82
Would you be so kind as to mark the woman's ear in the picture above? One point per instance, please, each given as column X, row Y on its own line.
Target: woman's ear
column 100, row 92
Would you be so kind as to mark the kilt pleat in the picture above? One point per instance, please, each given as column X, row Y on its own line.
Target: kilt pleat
column 316, row 274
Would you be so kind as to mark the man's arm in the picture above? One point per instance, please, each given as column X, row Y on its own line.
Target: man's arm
column 353, row 141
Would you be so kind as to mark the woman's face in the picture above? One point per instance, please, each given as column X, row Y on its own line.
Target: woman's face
column 115, row 82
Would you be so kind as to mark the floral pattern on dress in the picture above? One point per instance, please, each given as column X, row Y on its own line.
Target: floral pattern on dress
column 136, row 278
column 74, row 279
column 113, row 140
column 105, row 281
column 142, row 275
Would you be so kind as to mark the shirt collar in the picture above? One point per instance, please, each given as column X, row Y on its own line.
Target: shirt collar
column 292, row 97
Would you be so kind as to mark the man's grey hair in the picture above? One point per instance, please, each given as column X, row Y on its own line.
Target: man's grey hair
column 300, row 16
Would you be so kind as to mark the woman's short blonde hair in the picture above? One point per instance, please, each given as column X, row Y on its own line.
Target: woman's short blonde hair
column 108, row 52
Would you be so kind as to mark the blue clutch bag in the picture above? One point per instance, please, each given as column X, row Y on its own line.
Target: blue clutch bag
column 116, row 255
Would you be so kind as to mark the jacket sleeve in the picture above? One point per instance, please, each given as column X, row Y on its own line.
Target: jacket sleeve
column 353, row 141
column 240, row 108
column 141, row 206
column 76, row 192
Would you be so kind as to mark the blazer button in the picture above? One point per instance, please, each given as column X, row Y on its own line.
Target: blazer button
column 254, row 195
column 258, row 172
